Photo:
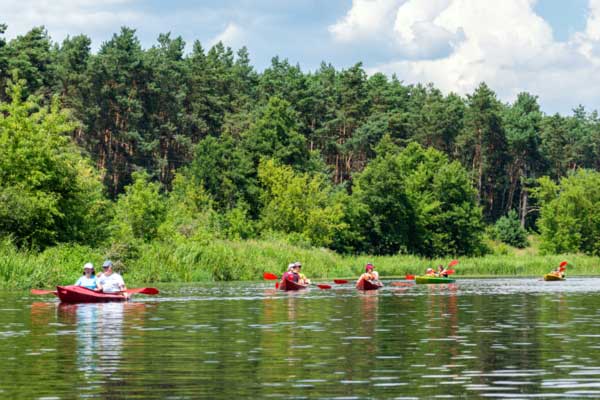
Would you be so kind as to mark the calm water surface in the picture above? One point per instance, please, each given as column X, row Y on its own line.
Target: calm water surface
column 509, row 338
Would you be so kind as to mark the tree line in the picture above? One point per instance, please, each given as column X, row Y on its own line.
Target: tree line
column 195, row 143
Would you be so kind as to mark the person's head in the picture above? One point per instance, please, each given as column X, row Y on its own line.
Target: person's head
column 441, row 267
column 290, row 267
column 429, row 269
column 107, row 267
column 88, row 269
column 297, row 266
column 369, row 267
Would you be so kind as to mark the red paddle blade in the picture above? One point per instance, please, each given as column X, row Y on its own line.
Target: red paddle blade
column 562, row 264
column 340, row 281
column 450, row 271
column 276, row 285
column 324, row 286
column 270, row 276
column 144, row 290
column 409, row 277
column 42, row 291
column 562, row 269
column 453, row 263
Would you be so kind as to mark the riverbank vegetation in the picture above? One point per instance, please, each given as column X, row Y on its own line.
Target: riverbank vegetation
column 191, row 167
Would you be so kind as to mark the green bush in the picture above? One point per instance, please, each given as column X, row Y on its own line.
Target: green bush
column 508, row 229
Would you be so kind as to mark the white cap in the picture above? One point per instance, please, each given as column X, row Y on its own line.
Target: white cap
column 88, row 266
column 290, row 266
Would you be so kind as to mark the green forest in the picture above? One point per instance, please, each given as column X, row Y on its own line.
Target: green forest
column 192, row 165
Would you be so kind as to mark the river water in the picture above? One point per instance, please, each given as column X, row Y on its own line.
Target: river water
column 494, row 338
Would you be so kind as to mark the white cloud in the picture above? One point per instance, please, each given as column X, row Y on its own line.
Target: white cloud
column 456, row 44
column 232, row 36
column 366, row 20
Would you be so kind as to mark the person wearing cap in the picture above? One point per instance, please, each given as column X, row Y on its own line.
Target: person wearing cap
column 110, row 281
column 430, row 272
column 370, row 273
column 88, row 279
column 302, row 279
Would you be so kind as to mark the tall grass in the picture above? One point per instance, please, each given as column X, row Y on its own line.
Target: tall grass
column 191, row 261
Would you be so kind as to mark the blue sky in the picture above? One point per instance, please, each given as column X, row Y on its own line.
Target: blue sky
column 550, row 48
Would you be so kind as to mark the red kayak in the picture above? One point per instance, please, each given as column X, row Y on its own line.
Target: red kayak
column 364, row 284
column 79, row 294
column 290, row 285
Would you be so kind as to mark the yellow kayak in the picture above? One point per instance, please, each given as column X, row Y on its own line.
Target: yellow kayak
column 553, row 277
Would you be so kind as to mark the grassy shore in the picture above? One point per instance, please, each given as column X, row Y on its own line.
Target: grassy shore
column 225, row 260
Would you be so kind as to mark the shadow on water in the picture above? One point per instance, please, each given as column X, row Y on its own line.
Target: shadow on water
column 494, row 338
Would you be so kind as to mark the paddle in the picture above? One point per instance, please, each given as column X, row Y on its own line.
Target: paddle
column 409, row 277
column 340, row 281
column 42, row 291
column 143, row 290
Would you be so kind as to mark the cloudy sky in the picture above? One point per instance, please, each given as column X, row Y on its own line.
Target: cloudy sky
column 550, row 48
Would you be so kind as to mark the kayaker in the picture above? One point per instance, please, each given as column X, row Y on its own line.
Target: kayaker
column 302, row 279
column 558, row 271
column 88, row 280
column 290, row 274
column 110, row 281
column 370, row 274
column 430, row 272
column 442, row 271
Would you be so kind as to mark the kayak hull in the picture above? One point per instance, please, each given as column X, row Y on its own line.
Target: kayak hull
column 287, row 286
column 433, row 279
column 365, row 284
column 79, row 294
column 552, row 277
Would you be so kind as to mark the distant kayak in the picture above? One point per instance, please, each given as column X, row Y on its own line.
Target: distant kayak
column 433, row 279
column 365, row 284
column 287, row 285
column 553, row 277
column 80, row 294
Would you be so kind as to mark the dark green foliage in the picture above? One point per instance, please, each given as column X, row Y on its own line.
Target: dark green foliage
column 416, row 202
column 508, row 229
column 200, row 124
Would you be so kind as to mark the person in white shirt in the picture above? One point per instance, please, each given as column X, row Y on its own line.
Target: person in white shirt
column 110, row 281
